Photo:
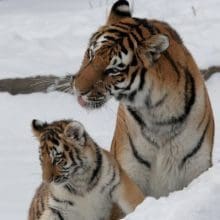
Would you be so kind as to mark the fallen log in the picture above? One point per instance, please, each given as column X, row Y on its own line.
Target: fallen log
column 51, row 83
column 28, row 85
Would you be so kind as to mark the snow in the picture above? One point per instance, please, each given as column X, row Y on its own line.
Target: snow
column 195, row 202
column 19, row 161
column 50, row 36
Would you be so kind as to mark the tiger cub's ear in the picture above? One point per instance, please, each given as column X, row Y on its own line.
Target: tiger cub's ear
column 153, row 47
column 119, row 10
column 75, row 132
column 38, row 126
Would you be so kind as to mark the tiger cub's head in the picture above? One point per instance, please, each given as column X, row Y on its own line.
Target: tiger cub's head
column 117, row 59
column 66, row 150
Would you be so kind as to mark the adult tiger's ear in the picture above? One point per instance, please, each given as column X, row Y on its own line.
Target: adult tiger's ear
column 75, row 132
column 38, row 126
column 156, row 45
column 153, row 47
column 119, row 10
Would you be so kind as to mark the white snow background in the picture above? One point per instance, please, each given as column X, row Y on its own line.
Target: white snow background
column 49, row 37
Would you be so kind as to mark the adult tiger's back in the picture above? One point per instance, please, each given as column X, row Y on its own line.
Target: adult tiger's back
column 165, row 127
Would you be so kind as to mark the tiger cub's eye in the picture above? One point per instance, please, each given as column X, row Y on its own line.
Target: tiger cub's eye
column 57, row 158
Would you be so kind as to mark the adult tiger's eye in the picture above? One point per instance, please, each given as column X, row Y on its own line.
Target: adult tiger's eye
column 111, row 71
column 121, row 65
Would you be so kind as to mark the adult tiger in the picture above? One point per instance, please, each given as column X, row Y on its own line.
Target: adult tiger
column 165, row 127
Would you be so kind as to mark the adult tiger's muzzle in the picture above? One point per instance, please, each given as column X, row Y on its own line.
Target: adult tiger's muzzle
column 94, row 97
column 86, row 78
column 89, row 87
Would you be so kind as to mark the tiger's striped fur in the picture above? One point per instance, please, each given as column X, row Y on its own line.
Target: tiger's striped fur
column 164, row 131
column 80, row 180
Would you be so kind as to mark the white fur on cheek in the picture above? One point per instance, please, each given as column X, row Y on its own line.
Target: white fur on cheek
column 39, row 123
column 123, row 8
column 126, row 58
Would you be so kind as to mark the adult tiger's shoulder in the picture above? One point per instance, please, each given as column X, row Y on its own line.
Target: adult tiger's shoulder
column 80, row 180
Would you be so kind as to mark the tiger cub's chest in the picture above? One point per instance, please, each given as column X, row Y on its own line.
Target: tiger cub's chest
column 92, row 206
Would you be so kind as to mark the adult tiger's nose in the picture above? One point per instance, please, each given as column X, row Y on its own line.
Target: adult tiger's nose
column 79, row 91
column 79, row 87
column 83, row 82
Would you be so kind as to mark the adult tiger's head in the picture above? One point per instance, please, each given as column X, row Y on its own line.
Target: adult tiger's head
column 66, row 150
column 118, row 57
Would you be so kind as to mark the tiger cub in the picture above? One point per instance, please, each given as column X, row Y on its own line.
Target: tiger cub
column 80, row 180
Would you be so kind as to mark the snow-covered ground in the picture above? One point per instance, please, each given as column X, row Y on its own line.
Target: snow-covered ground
column 49, row 36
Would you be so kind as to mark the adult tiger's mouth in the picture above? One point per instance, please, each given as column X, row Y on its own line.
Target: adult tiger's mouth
column 91, row 103
column 81, row 101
